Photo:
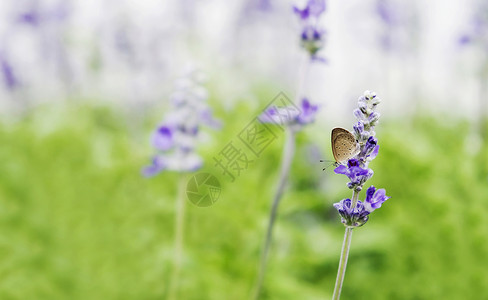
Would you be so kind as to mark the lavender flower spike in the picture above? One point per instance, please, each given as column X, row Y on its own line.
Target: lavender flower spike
column 354, row 212
column 312, row 36
column 176, row 137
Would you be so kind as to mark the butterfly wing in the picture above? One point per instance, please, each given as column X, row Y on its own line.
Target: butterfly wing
column 344, row 145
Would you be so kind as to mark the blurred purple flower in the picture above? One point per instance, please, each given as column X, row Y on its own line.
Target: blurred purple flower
column 176, row 137
column 290, row 116
column 163, row 138
column 308, row 113
column 312, row 36
column 35, row 15
column 388, row 12
column 9, row 77
column 313, row 8
column 477, row 33
column 31, row 18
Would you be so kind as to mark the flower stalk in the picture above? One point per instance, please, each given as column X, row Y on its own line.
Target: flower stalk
column 178, row 239
column 288, row 153
column 346, row 245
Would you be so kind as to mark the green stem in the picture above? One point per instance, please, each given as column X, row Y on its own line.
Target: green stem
column 288, row 152
column 178, row 242
column 346, row 245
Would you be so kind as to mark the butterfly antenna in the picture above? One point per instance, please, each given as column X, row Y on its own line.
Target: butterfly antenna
column 331, row 164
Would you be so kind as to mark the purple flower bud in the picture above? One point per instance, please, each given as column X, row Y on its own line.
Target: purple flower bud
column 312, row 39
column 358, row 128
column 363, row 107
column 373, row 117
column 359, row 114
column 369, row 146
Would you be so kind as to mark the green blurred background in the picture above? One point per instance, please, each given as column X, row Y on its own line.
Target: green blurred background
column 78, row 221
column 83, row 84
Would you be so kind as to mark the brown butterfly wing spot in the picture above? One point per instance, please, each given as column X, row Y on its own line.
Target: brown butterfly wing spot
column 344, row 145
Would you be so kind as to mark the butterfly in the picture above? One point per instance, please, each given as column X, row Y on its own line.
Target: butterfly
column 344, row 146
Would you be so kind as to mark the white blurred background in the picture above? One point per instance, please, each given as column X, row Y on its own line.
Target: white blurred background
column 129, row 52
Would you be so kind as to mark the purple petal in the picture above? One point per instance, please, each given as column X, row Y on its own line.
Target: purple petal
column 308, row 112
column 162, row 139
column 374, row 153
column 465, row 39
column 353, row 163
column 373, row 117
column 341, row 170
column 156, row 167
column 209, row 120
column 8, row 74
column 270, row 115
column 359, row 128
column 303, row 14
column 358, row 114
column 319, row 59
column 316, row 7
column 369, row 194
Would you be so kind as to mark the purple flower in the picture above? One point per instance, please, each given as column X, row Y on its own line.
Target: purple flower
column 153, row 169
column 355, row 173
column 308, row 112
column 31, row 18
column 162, row 138
column 370, row 149
column 357, row 168
column 9, row 77
column 176, row 138
column 312, row 35
column 477, row 32
column 360, row 214
column 374, row 198
column 360, row 133
column 388, row 12
column 303, row 14
column 312, row 39
column 290, row 115
column 352, row 217
column 314, row 8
